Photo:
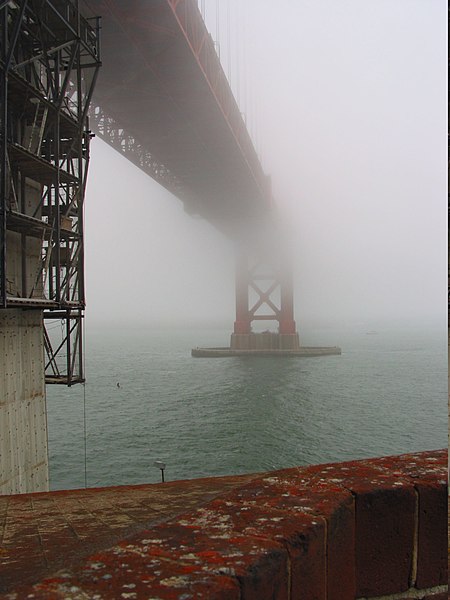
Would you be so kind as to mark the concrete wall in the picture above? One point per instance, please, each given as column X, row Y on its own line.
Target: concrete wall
column 373, row 529
column 23, row 420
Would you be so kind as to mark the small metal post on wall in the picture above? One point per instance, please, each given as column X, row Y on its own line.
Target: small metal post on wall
column 160, row 465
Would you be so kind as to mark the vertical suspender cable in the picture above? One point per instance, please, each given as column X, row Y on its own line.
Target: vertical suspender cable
column 229, row 41
column 244, row 61
column 238, row 51
column 218, row 27
column 255, row 120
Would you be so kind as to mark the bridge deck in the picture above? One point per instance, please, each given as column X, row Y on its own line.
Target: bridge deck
column 162, row 84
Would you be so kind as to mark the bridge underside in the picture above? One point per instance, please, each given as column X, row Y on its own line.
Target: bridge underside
column 163, row 100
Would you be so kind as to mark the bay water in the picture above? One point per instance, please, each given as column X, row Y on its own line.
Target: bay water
column 386, row 394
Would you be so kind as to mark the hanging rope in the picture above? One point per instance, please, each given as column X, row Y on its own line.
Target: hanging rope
column 84, row 405
column 83, row 332
column 85, row 435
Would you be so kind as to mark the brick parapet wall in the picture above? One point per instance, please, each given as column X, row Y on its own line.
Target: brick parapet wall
column 357, row 530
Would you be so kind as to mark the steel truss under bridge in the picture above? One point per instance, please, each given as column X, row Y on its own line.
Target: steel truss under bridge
column 136, row 152
column 49, row 61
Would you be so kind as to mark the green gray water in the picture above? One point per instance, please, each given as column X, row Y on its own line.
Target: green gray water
column 386, row 394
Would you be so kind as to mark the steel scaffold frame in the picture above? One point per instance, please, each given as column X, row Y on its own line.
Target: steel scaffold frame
column 49, row 61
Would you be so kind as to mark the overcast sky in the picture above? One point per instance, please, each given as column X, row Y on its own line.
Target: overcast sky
column 347, row 102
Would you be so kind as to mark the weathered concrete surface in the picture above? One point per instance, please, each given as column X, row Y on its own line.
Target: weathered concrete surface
column 364, row 529
column 23, row 419
column 39, row 533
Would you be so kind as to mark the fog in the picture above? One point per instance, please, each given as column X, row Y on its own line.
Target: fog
column 346, row 103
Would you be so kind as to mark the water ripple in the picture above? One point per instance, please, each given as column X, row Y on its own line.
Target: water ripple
column 386, row 394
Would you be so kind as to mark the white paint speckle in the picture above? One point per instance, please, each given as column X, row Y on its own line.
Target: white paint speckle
column 153, row 541
column 271, row 480
column 174, row 581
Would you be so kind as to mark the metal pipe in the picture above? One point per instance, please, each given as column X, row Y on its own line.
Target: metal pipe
column 3, row 156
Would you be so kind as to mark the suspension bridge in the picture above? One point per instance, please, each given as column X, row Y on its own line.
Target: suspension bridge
column 163, row 100
column 146, row 78
column 155, row 90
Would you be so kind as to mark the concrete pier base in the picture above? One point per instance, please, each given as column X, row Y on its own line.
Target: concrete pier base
column 302, row 351
column 23, row 418
column 264, row 341
column 265, row 344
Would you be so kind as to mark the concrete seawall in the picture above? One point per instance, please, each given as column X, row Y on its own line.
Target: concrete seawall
column 358, row 530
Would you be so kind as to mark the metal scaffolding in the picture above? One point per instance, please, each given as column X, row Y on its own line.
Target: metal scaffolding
column 49, row 61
